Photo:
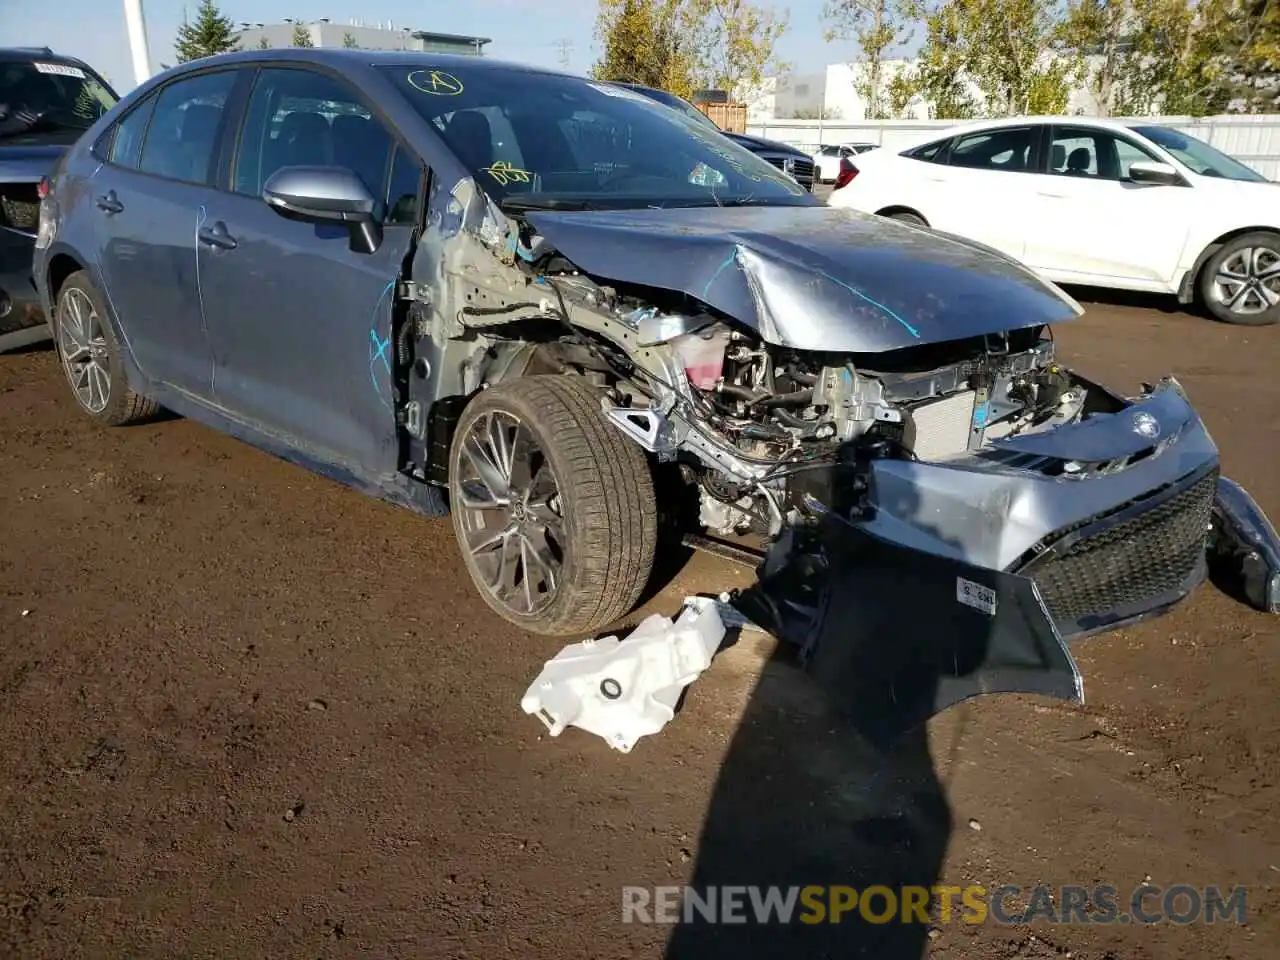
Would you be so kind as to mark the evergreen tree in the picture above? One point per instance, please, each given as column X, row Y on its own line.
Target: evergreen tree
column 302, row 36
column 349, row 42
column 210, row 34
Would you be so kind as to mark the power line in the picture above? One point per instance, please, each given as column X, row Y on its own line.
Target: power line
column 564, row 46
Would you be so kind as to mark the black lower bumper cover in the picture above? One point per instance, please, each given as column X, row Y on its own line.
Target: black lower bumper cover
column 895, row 635
column 884, row 632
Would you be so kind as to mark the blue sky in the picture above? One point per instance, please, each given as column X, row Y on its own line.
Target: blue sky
column 522, row 30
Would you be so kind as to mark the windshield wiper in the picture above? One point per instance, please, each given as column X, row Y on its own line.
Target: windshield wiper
column 519, row 204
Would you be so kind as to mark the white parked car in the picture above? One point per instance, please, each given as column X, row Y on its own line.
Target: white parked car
column 827, row 158
column 1122, row 204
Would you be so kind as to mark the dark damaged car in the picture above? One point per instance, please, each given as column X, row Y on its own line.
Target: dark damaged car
column 561, row 313
column 46, row 102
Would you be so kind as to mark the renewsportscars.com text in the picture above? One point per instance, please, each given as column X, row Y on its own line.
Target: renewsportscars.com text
column 1068, row 904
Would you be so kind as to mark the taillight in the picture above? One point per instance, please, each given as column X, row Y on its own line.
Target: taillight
column 847, row 172
column 42, row 188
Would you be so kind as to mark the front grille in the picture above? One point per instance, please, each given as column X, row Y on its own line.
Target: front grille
column 1115, row 566
column 19, row 206
column 801, row 168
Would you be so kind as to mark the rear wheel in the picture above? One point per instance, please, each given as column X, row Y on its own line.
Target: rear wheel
column 91, row 356
column 553, row 507
column 1241, row 282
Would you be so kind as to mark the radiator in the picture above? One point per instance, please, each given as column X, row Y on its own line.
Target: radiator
column 940, row 428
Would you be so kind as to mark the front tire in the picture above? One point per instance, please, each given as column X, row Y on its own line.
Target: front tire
column 553, row 507
column 92, row 358
column 1241, row 282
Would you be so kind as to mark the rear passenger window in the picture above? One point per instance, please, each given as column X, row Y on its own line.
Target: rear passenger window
column 1006, row 148
column 930, row 152
column 126, row 141
column 183, row 134
column 302, row 118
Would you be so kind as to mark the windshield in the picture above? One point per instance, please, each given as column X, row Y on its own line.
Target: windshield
column 1199, row 156
column 676, row 103
column 543, row 140
column 48, row 95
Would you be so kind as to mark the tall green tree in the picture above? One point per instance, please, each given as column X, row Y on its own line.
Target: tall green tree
column 302, row 36
column 938, row 75
column 209, row 35
column 349, row 42
column 1183, row 55
column 1251, row 42
column 643, row 42
column 1006, row 46
column 1097, row 35
column 735, row 42
column 681, row 45
column 877, row 27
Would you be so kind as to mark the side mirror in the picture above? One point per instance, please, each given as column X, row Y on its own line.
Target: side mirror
column 1151, row 171
column 326, row 195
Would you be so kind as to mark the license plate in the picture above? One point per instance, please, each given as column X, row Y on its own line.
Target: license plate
column 976, row 595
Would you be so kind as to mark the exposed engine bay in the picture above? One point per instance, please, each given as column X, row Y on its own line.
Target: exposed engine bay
column 744, row 416
column 781, row 407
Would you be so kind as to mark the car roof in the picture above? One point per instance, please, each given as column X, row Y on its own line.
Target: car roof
column 975, row 126
column 411, row 59
column 11, row 54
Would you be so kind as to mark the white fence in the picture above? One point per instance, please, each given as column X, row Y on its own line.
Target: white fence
column 1254, row 140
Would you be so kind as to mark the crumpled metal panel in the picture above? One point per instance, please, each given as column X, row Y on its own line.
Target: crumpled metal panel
column 1140, row 426
column 813, row 277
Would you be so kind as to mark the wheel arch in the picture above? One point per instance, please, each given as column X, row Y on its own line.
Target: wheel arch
column 61, row 266
column 902, row 208
column 1189, row 283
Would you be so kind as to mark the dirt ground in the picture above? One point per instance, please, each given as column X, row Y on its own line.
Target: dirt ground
column 247, row 712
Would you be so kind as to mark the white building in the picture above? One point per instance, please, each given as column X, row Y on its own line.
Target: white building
column 835, row 94
column 367, row 36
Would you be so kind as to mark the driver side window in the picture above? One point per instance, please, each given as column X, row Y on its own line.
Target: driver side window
column 302, row 118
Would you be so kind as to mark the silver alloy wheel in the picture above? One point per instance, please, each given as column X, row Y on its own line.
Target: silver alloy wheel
column 511, row 515
column 1248, row 281
column 83, row 348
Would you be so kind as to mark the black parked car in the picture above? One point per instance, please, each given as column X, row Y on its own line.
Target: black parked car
column 46, row 102
column 790, row 160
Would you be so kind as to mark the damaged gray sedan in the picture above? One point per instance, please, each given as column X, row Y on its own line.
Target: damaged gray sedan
column 562, row 312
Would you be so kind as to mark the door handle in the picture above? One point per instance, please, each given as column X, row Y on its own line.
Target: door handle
column 217, row 236
column 109, row 202
column 1056, row 196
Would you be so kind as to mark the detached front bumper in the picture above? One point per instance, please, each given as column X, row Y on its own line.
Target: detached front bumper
column 941, row 582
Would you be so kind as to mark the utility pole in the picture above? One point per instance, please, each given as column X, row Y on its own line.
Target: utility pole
column 565, row 46
column 137, row 40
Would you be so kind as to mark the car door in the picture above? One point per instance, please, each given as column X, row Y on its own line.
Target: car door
column 299, row 323
column 983, row 189
column 1091, row 222
column 158, row 173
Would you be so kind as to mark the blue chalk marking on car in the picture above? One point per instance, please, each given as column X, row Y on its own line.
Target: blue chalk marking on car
column 728, row 262
column 875, row 303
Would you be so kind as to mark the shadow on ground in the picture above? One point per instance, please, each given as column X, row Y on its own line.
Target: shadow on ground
column 1162, row 302
column 802, row 800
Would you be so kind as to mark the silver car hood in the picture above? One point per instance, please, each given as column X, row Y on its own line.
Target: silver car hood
column 812, row 277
